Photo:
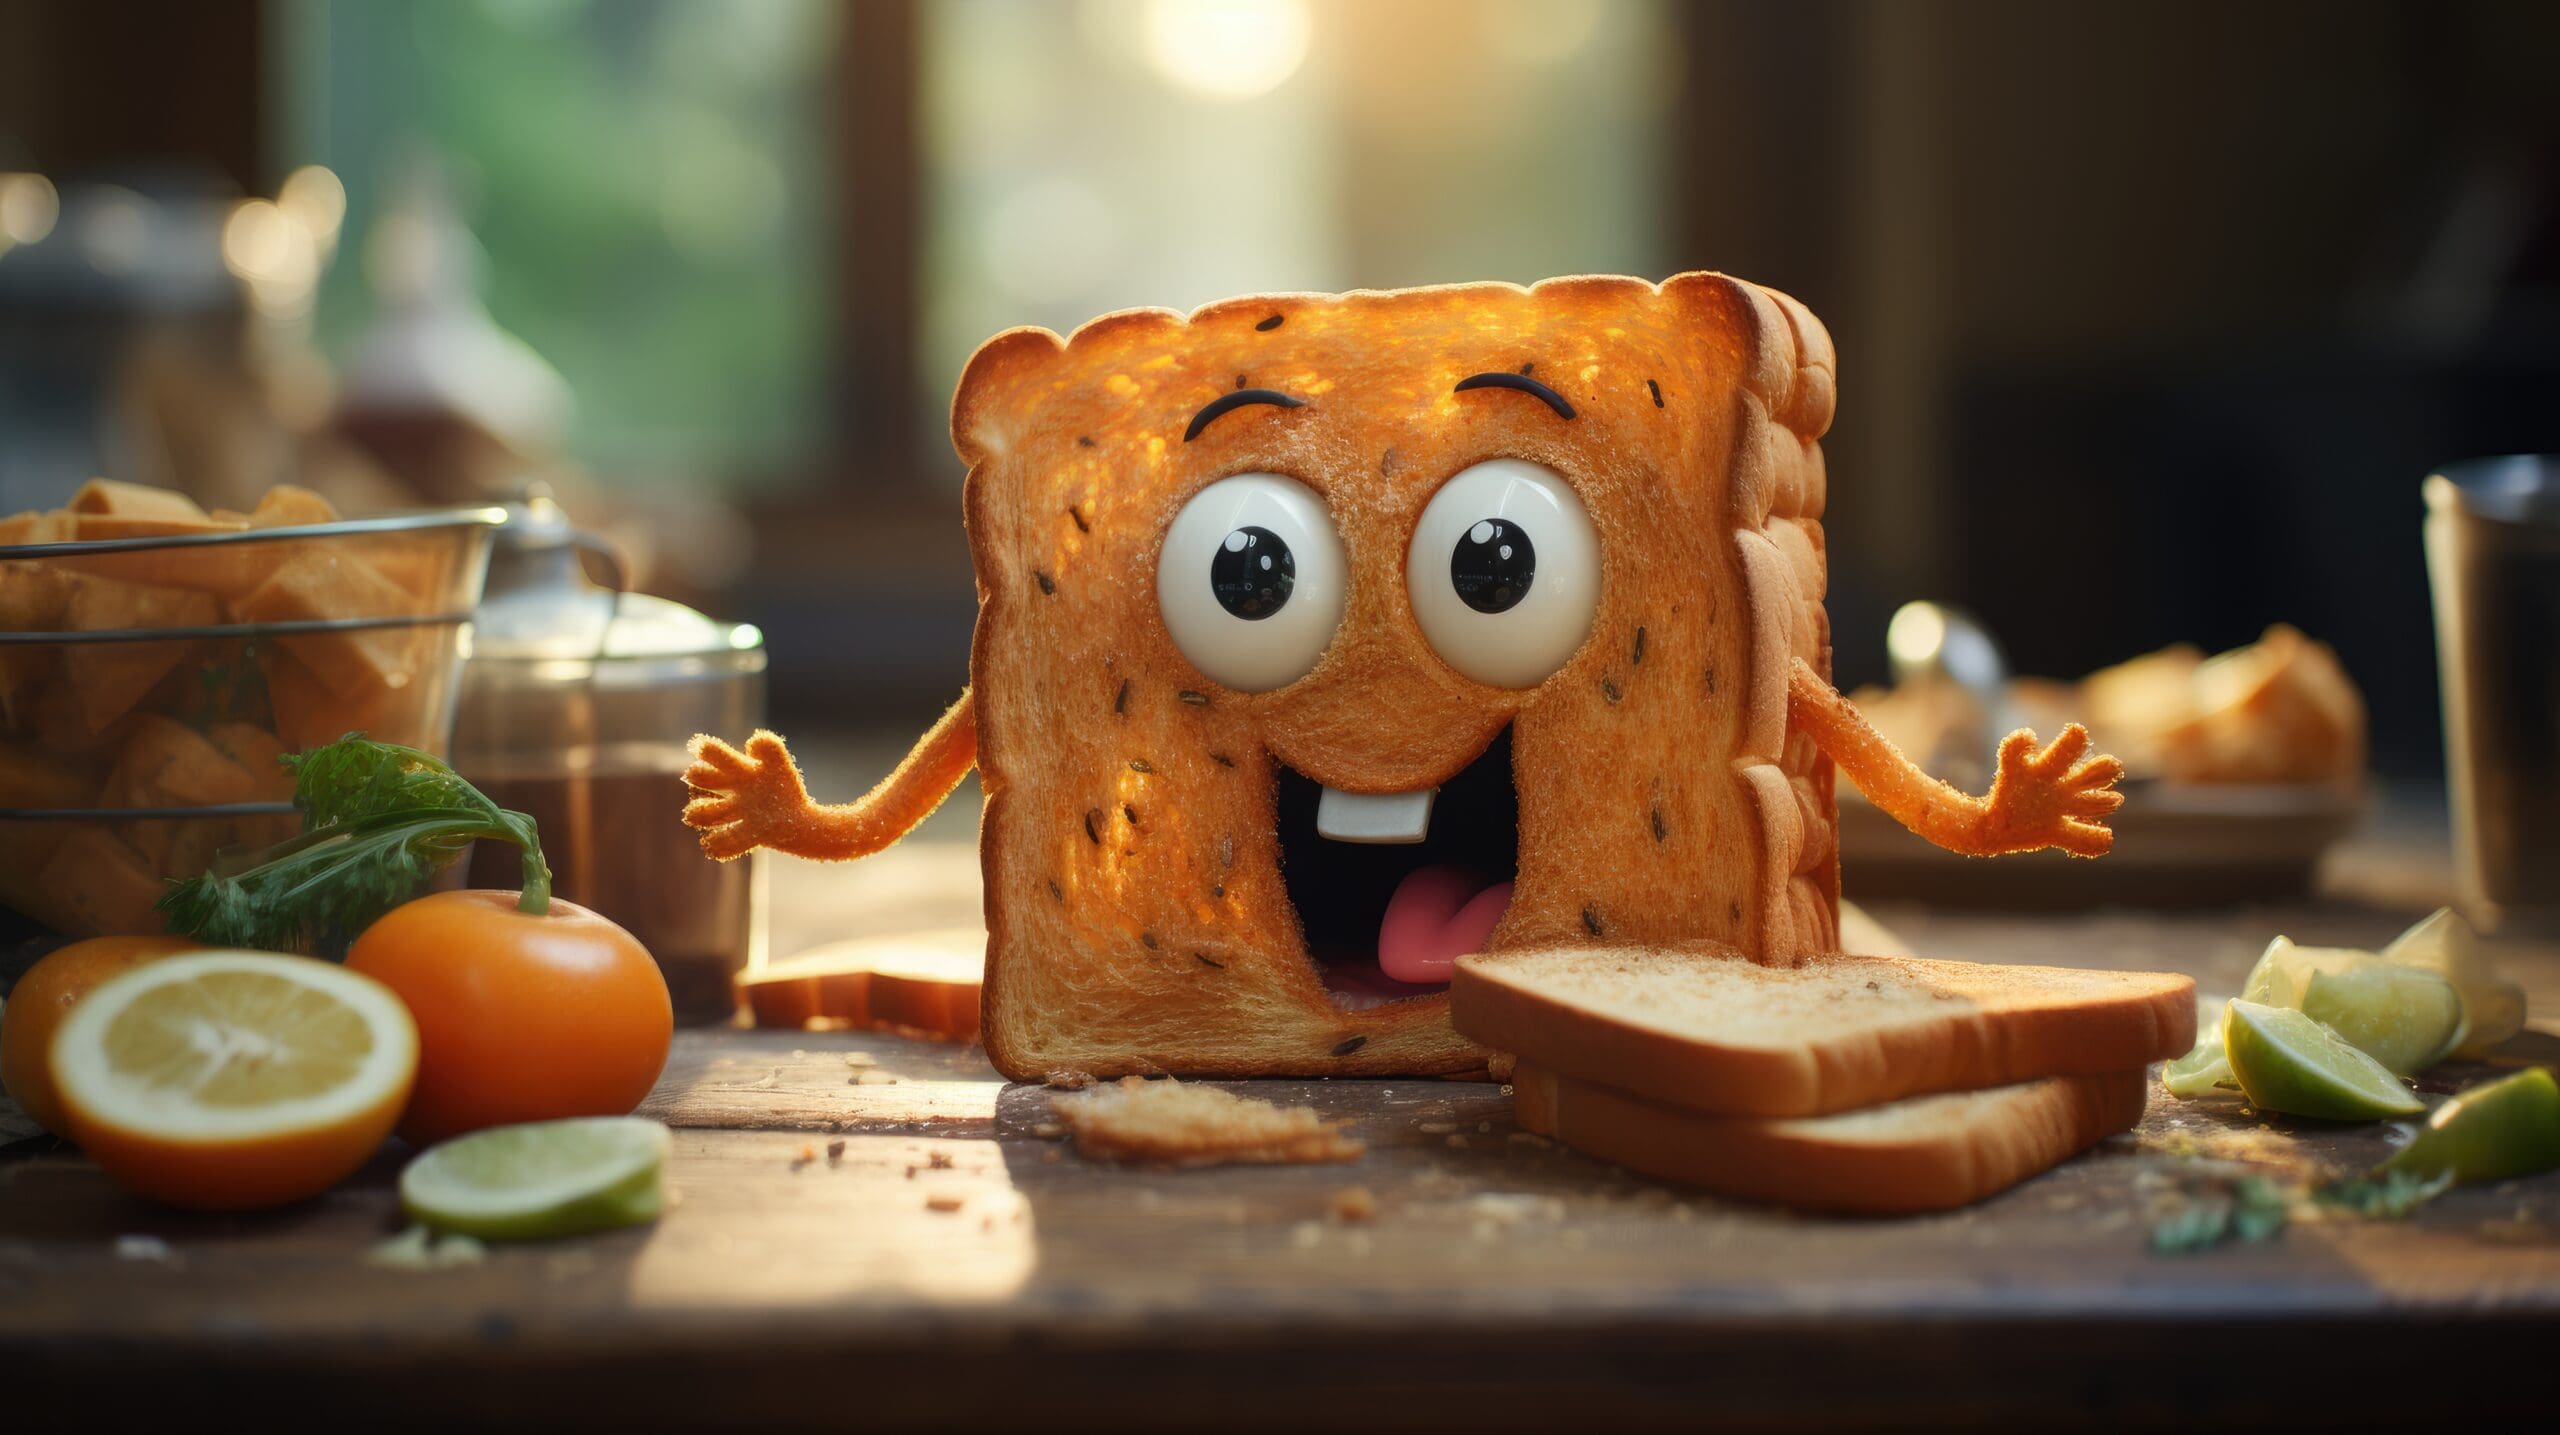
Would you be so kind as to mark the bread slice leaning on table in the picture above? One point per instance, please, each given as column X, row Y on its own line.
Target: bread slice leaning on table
column 1927, row 1153
column 1713, row 1033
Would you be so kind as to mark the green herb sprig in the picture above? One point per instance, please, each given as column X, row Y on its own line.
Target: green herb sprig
column 378, row 820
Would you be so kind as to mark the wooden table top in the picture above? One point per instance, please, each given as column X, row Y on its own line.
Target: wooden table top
column 954, row 1264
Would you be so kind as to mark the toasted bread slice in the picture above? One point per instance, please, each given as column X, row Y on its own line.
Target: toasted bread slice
column 1138, row 912
column 1167, row 1123
column 1713, row 1033
column 1927, row 1153
column 927, row 981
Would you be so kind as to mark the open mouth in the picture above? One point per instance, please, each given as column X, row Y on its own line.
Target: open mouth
column 1407, row 883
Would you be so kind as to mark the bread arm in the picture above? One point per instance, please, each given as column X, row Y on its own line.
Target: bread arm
column 2049, row 798
column 743, row 800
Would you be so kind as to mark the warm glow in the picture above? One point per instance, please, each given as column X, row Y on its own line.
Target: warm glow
column 1915, row 635
column 313, row 197
column 1232, row 49
column 28, row 208
column 274, row 254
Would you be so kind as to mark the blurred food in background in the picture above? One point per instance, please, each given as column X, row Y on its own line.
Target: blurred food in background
column 156, row 659
column 2279, row 710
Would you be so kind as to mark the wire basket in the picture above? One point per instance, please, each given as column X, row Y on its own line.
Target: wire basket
column 148, row 685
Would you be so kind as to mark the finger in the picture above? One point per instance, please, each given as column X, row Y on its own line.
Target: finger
column 715, row 811
column 769, row 751
column 727, row 844
column 2099, row 771
column 2065, row 750
column 2097, row 802
column 2084, row 839
column 2016, row 748
column 712, row 755
column 703, row 777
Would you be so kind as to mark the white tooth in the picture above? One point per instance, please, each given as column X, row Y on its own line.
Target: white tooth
column 1375, row 817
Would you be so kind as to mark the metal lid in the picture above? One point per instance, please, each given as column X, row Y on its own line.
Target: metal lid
column 2511, row 488
column 540, row 610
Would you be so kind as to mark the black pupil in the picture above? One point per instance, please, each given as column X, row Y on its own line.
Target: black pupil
column 1252, row 573
column 1493, row 566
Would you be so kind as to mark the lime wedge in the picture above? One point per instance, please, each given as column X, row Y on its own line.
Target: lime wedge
column 541, row 1180
column 2200, row 1071
column 2405, row 1018
column 2445, row 945
column 2284, row 971
column 2285, row 1061
column 2507, row 1127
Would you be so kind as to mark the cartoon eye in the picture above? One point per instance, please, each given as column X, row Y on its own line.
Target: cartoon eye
column 1505, row 572
column 1252, row 581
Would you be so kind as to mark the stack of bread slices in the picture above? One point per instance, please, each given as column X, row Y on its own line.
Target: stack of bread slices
column 1857, row 1084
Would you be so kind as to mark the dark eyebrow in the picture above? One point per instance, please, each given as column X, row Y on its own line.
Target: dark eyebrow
column 1523, row 383
column 1236, row 400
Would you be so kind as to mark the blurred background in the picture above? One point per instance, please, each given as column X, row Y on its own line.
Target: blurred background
column 2151, row 316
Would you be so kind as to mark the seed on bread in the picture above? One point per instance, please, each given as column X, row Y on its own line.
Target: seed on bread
column 1349, row 1045
column 1047, row 584
column 1120, row 700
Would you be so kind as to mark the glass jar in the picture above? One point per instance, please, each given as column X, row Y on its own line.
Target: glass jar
column 576, row 707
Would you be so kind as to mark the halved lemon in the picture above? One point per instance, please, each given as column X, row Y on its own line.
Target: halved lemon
column 229, row 1081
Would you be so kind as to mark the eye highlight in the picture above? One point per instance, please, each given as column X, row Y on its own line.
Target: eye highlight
column 1504, row 572
column 1251, row 581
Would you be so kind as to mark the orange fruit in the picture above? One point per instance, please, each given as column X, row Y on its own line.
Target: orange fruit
column 45, row 995
column 232, row 1081
column 520, row 1017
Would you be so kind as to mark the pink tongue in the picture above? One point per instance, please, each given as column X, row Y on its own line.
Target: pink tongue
column 1437, row 915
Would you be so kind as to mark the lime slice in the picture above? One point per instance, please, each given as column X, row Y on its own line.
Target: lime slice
column 541, row 1180
column 2405, row 1018
column 2284, row 971
column 2445, row 945
column 2285, row 1061
column 2200, row 1071
column 2507, row 1127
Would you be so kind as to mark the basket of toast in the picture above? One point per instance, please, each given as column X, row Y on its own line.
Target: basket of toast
column 156, row 659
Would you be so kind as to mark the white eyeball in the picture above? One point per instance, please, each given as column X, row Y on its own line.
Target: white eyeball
column 1505, row 572
column 1252, row 581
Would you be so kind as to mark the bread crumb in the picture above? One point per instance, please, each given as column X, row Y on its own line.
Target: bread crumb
column 1068, row 1079
column 808, row 1154
column 860, row 1058
column 945, row 1202
column 1355, row 1203
column 1048, row 1131
column 871, row 1076
column 142, row 1248
column 835, row 1153
column 420, row 1249
column 937, row 1161
column 1457, row 1141
column 1437, row 1128
column 1484, row 1128
column 1170, row 1123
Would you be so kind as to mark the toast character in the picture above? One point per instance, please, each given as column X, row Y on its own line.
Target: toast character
column 1322, row 639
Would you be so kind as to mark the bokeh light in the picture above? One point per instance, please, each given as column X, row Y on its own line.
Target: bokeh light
column 28, row 208
column 1232, row 49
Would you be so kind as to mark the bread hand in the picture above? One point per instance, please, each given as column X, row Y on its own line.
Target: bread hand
column 743, row 800
column 2051, row 798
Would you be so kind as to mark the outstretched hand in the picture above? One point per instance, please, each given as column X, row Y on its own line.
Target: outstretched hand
column 744, row 800
column 2051, row 798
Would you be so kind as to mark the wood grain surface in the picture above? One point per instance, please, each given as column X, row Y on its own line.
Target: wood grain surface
column 954, row 1264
